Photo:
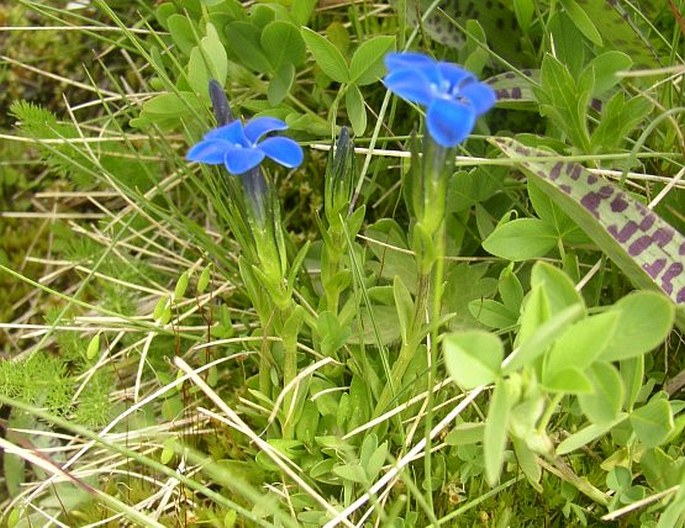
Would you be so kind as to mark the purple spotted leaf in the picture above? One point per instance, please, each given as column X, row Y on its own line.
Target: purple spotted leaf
column 648, row 250
column 516, row 88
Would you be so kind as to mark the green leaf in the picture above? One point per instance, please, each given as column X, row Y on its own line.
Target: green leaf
column 605, row 67
column 581, row 344
column 558, row 286
column 653, row 422
column 284, row 44
column 534, row 312
column 405, row 306
column 522, row 239
column 528, row 462
column 524, row 416
column 466, row 433
column 565, row 100
column 633, row 374
column 356, row 111
column 476, row 49
column 492, row 314
column 510, row 289
column 172, row 105
column 246, row 48
column 159, row 308
column 301, row 10
column 167, row 450
column 327, row 56
column 473, row 358
column 524, row 10
column 496, row 426
column 582, row 21
column 198, row 73
column 552, row 214
column 618, row 31
column 644, row 321
column 661, row 470
column 215, row 55
column 568, row 380
column 352, row 472
column 604, row 403
column 366, row 66
column 672, row 516
column 587, row 435
column 93, row 347
column 530, row 349
column 205, row 276
column 182, row 32
column 375, row 462
column 280, row 84
column 619, row 119
column 181, row 286
column 566, row 38
column 308, row 423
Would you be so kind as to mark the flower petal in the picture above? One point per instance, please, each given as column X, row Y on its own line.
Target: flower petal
column 233, row 133
column 453, row 74
column 257, row 127
column 410, row 85
column 239, row 160
column 282, row 150
column 210, row 152
column 449, row 122
column 481, row 95
column 409, row 60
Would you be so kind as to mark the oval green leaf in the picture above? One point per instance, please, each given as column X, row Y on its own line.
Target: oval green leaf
column 473, row 358
column 522, row 239
column 327, row 56
column 644, row 321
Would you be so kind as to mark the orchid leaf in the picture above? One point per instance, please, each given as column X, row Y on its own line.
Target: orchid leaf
column 645, row 247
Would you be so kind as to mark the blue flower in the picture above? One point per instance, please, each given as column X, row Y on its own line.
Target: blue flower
column 239, row 148
column 453, row 97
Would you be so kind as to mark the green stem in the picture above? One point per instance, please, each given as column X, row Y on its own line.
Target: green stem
column 438, row 278
column 289, row 374
column 436, row 166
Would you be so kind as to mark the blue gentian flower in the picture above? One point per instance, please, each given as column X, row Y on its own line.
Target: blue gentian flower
column 239, row 148
column 453, row 96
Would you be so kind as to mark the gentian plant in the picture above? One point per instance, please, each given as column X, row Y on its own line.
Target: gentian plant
column 454, row 99
column 241, row 148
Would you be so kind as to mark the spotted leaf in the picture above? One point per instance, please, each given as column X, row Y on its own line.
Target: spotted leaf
column 648, row 250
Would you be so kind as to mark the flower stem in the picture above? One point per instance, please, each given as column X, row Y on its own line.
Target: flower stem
column 429, row 249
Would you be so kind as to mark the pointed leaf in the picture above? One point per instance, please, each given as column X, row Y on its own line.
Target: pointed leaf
column 644, row 320
column 473, row 358
column 653, row 422
column 366, row 66
column 543, row 337
column 569, row 380
column 496, row 425
column 581, row 344
column 327, row 56
column 405, row 306
column 604, row 404
column 587, row 435
column 356, row 111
